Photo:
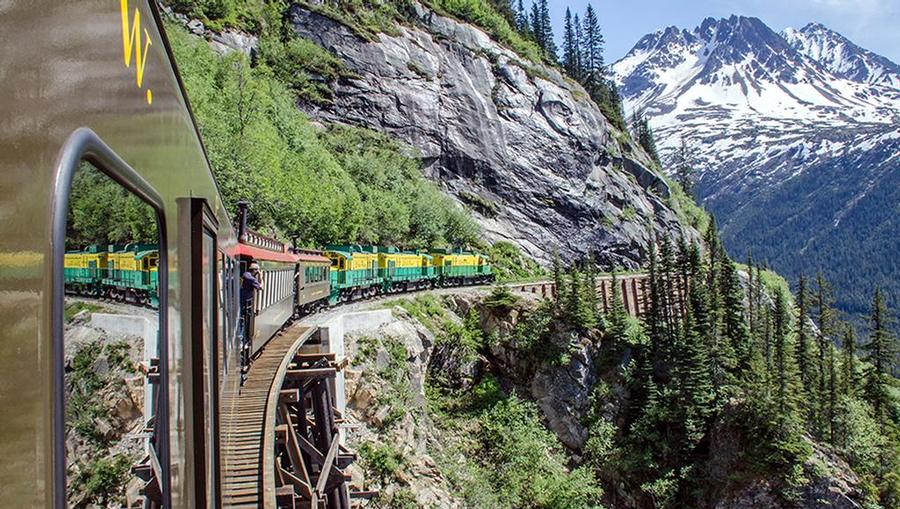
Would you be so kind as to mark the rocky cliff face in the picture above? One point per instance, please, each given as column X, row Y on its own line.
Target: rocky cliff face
column 517, row 143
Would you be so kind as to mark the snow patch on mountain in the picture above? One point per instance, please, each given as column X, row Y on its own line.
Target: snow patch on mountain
column 796, row 137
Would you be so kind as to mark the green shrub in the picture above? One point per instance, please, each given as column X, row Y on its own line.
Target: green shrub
column 383, row 460
column 501, row 298
column 103, row 479
column 530, row 469
column 509, row 263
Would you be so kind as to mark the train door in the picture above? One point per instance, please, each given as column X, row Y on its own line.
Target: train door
column 199, row 247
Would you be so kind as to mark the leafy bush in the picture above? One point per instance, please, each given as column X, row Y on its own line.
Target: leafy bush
column 382, row 459
column 73, row 308
column 307, row 68
column 530, row 469
column 102, row 479
column 220, row 14
column 103, row 212
column 510, row 264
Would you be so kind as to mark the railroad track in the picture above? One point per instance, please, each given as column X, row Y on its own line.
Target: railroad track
column 247, row 421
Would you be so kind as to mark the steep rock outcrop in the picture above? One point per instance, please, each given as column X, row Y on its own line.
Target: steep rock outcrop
column 491, row 125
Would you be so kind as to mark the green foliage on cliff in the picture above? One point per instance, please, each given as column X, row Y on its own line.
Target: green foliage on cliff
column 320, row 185
column 510, row 264
column 511, row 461
column 483, row 15
column 219, row 14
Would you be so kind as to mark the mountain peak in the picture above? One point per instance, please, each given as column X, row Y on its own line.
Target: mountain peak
column 842, row 57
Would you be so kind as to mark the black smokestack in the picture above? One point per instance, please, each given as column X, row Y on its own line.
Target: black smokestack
column 243, row 207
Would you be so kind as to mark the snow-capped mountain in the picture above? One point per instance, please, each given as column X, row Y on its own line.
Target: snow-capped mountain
column 843, row 58
column 795, row 134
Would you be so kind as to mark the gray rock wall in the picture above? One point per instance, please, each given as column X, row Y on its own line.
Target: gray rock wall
column 495, row 127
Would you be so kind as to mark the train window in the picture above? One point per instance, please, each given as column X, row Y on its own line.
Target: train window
column 210, row 364
column 113, row 406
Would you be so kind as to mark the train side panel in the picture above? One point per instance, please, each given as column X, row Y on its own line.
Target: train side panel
column 72, row 65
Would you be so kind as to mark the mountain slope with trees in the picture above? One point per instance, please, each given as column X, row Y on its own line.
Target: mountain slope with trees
column 728, row 393
column 794, row 137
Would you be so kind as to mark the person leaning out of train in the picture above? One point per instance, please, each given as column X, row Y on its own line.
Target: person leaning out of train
column 250, row 283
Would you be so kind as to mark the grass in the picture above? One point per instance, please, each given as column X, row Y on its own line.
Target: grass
column 366, row 18
column 425, row 308
column 73, row 308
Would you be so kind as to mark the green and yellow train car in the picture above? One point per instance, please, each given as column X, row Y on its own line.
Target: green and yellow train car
column 404, row 271
column 354, row 272
column 458, row 267
column 132, row 274
column 84, row 270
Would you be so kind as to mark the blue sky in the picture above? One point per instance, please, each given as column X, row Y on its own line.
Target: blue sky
column 872, row 24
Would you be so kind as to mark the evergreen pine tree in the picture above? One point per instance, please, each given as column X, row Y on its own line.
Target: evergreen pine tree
column 881, row 349
column 617, row 321
column 670, row 301
column 643, row 134
column 848, row 363
column 804, row 360
column 825, row 316
column 694, row 383
column 506, row 8
column 575, row 301
column 734, row 323
column 559, row 281
column 683, row 166
column 654, row 319
column 536, row 24
column 786, row 379
column 590, row 291
column 549, row 42
column 579, row 64
column 751, row 311
column 832, row 395
column 715, row 259
column 570, row 47
column 592, row 54
column 522, row 24
column 767, row 317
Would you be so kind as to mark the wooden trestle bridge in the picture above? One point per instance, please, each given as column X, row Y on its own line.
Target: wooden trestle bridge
column 281, row 444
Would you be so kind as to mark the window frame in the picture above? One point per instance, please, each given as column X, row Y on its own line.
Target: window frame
column 83, row 145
